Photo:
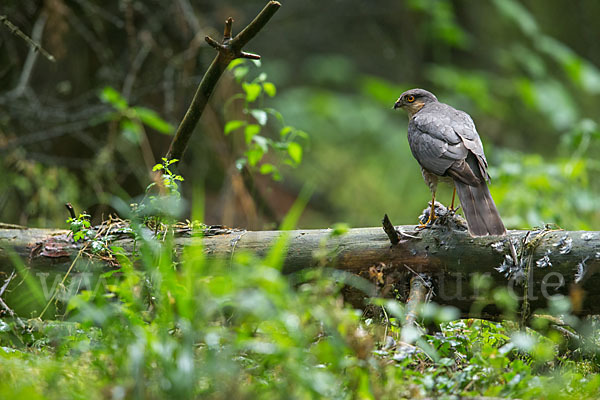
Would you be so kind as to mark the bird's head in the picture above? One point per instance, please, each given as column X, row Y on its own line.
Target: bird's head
column 414, row 99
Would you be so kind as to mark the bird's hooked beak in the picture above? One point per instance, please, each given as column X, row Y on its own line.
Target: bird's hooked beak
column 398, row 104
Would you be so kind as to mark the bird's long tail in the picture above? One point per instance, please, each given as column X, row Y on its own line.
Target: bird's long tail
column 479, row 209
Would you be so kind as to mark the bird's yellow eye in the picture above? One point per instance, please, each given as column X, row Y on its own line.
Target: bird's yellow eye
column 410, row 99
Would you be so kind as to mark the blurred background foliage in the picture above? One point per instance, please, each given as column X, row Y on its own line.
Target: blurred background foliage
column 316, row 112
column 90, row 126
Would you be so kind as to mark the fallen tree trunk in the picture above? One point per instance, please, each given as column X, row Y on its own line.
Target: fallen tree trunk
column 551, row 262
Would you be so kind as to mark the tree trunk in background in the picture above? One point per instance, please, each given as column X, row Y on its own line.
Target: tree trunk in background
column 555, row 262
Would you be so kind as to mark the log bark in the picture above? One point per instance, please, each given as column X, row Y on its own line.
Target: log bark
column 552, row 262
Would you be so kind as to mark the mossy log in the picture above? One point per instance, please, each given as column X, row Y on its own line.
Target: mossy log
column 551, row 262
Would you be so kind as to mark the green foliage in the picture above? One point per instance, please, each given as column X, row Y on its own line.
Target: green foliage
column 162, row 326
column 80, row 226
column 162, row 203
column 441, row 23
column 198, row 327
column 168, row 179
column 190, row 327
column 287, row 145
column 132, row 119
column 532, row 191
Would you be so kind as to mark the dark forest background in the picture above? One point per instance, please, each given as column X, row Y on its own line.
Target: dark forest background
column 527, row 72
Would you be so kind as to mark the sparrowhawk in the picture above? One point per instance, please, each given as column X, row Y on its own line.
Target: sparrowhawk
column 446, row 144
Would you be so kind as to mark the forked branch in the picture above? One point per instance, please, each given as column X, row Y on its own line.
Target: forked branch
column 228, row 50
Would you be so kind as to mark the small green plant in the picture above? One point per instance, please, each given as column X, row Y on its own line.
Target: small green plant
column 80, row 226
column 163, row 197
column 81, row 229
column 168, row 179
column 287, row 144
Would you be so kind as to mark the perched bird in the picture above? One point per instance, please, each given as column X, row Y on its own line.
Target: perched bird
column 446, row 144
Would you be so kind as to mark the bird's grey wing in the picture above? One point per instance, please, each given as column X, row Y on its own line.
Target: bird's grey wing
column 441, row 149
column 464, row 127
column 434, row 146
column 437, row 121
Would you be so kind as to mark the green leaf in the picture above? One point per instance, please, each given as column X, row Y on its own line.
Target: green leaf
column 250, row 131
column 240, row 72
column 114, row 98
column 153, row 120
column 295, row 152
column 394, row 308
column 275, row 113
column 339, row 229
column 285, row 130
column 267, row 168
column 231, row 126
column 254, row 155
column 235, row 63
column 252, row 91
column 302, row 134
column 519, row 14
column 131, row 130
column 269, row 89
column 260, row 116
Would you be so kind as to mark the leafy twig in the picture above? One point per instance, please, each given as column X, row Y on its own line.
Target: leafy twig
column 228, row 50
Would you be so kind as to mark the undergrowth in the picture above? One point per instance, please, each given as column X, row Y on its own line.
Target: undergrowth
column 193, row 327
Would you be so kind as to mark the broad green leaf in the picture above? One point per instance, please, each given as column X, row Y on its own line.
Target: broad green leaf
column 240, row 72
column 269, row 89
column 267, row 168
column 114, row 98
column 260, row 115
column 254, row 155
column 252, row 91
column 231, row 126
column 285, row 130
column 153, row 120
column 235, row 63
column 295, row 152
column 302, row 134
column 250, row 131
column 519, row 14
column 275, row 113
column 339, row 229
column 131, row 130
column 394, row 308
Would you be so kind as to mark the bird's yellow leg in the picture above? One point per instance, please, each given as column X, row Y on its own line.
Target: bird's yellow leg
column 431, row 213
column 452, row 204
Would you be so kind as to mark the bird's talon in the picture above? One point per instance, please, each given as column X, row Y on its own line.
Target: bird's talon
column 452, row 210
column 427, row 224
